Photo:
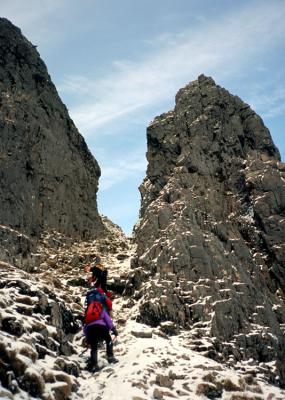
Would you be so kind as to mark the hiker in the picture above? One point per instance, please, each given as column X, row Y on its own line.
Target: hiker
column 99, row 274
column 97, row 294
column 97, row 331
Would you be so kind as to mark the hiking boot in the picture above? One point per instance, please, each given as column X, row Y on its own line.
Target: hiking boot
column 110, row 355
column 89, row 365
column 92, row 363
column 95, row 368
column 112, row 360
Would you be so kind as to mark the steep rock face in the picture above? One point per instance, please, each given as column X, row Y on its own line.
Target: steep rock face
column 48, row 177
column 212, row 226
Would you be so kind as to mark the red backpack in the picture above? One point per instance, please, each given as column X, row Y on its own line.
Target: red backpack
column 93, row 312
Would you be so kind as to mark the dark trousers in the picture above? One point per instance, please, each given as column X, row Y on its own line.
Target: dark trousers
column 95, row 334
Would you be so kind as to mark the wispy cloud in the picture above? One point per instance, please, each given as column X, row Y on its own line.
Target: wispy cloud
column 35, row 18
column 122, row 169
column 269, row 99
column 220, row 49
column 28, row 12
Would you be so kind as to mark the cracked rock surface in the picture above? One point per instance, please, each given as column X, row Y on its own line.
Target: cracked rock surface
column 211, row 233
column 48, row 176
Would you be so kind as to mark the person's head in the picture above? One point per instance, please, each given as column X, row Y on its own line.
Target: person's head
column 101, row 280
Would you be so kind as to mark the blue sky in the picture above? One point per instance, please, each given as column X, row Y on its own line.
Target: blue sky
column 118, row 64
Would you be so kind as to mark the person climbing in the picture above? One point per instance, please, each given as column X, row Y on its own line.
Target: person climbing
column 97, row 294
column 99, row 274
column 97, row 331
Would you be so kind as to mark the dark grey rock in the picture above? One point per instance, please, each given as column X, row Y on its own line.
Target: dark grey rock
column 211, row 232
column 164, row 380
column 32, row 382
column 12, row 326
column 17, row 248
column 48, row 176
column 70, row 367
column 147, row 334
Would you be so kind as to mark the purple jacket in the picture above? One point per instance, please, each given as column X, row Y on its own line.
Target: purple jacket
column 104, row 320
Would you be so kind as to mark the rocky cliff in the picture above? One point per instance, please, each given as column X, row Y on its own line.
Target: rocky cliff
column 211, row 234
column 48, row 177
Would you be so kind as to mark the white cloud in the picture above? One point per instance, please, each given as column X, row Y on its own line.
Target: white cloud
column 269, row 100
column 222, row 48
column 122, row 169
column 25, row 13
column 37, row 19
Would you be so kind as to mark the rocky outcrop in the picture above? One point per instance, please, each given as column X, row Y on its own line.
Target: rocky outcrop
column 18, row 249
column 211, row 234
column 48, row 176
column 36, row 332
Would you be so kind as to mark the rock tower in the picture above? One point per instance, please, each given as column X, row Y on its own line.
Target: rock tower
column 211, row 234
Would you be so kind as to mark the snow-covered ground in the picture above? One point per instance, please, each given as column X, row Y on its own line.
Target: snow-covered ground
column 161, row 368
column 151, row 364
